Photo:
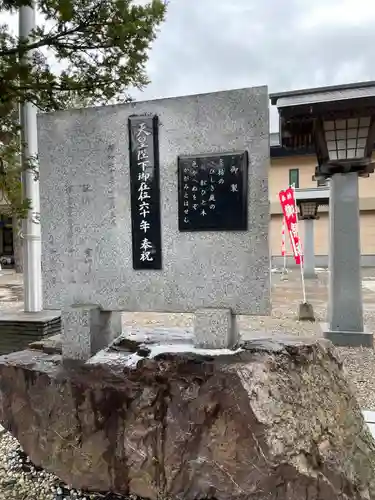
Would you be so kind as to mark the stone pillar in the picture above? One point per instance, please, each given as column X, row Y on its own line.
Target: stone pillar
column 345, row 283
column 215, row 329
column 309, row 250
column 86, row 330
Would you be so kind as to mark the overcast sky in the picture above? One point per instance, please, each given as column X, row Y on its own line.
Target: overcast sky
column 209, row 45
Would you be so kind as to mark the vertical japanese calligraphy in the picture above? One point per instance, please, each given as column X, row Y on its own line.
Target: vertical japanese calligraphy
column 145, row 192
column 213, row 192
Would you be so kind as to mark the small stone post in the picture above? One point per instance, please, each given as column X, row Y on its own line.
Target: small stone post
column 215, row 329
column 86, row 330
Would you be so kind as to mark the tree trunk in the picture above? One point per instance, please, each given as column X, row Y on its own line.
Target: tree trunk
column 17, row 246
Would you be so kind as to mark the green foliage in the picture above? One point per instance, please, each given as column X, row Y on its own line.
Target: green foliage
column 87, row 52
column 10, row 165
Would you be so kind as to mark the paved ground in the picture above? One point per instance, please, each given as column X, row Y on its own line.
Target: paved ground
column 10, row 290
column 286, row 295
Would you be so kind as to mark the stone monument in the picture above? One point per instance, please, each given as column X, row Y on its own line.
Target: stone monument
column 156, row 206
column 163, row 206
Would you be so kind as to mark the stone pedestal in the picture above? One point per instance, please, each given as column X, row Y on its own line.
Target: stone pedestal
column 87, row 329
column 345, row 312
column 306, row 312
column 348, row 338
column 215, row 329
column 19, row 328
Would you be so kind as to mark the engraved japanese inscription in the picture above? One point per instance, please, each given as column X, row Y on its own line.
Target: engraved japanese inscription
column 145, row 192
column 212, row 192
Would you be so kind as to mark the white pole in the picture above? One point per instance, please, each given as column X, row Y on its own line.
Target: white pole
column 283, row 243
column 31, row 225
column 300, row 259
column 303, row 281
column 283, row 249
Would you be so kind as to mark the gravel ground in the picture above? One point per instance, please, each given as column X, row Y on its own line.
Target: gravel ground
column 20, row 480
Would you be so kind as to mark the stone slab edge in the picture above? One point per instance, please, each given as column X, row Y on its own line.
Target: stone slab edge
column 348, row 339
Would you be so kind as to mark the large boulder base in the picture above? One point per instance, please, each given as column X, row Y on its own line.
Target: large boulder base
column 274, row 420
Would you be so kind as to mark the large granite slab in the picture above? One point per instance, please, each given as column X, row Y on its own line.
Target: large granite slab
column 86, row 218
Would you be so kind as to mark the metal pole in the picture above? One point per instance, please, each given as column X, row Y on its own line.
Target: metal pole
column 30, row 184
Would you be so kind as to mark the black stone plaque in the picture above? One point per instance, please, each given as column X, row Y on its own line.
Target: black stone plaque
column 145, row 192
column 212, row 192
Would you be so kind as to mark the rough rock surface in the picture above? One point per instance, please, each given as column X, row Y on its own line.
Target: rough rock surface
column 274, row 420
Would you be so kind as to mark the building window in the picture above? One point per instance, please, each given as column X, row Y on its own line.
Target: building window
column 294, row 177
